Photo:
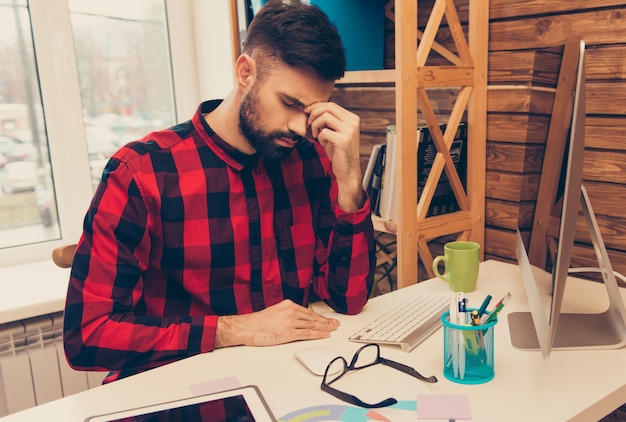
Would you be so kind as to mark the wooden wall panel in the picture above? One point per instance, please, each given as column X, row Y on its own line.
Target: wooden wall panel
column 602, row 26
column 517, row 31
column 606, row 132
column 499, row 9
column 522, row 128
column 519, row 158
column 514, row 187
column 525, row 46
column 606, row 97
column 520, row 99
column 509, row 215
column 605, row 166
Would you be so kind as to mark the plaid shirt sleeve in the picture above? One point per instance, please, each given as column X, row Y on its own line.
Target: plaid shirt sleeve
column 105, row 326
column 180, row 232
column 346, row 261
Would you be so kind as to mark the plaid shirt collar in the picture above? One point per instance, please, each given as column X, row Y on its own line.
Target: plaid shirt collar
column 232, row 157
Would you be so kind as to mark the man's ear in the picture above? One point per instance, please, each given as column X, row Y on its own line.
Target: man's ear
column 245, row 70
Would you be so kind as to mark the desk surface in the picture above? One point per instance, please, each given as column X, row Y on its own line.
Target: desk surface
column 33, row 289
column 570, row 385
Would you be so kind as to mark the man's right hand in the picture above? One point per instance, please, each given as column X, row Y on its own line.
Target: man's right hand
column 281, row 323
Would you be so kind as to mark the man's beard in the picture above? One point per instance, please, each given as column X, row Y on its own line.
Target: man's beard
column 263, row 142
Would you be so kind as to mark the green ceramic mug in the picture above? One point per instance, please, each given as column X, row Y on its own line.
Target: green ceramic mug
column 461, row 261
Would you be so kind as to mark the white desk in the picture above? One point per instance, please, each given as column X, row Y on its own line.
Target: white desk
column 570, row 385
column 33, row 289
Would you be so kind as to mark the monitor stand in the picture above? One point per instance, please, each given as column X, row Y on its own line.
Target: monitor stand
column 606, row 330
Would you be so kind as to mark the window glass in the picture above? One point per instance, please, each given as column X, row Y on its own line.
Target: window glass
column 124, row 68
column 28, row 212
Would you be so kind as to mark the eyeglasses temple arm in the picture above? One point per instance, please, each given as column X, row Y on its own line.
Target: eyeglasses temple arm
column 407, row 370
column 349, row 398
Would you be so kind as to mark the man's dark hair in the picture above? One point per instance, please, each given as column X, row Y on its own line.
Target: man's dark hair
column 299, row 35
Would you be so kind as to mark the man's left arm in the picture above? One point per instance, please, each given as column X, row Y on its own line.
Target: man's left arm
column 346, row 278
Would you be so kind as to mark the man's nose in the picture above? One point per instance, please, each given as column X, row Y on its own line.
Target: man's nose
column 298, row 123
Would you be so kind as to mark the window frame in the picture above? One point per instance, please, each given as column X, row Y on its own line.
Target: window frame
column 62, row 105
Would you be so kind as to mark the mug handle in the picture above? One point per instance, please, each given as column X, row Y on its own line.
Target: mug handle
column 436, row 267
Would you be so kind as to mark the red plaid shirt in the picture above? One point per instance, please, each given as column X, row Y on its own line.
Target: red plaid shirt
column 184, row 228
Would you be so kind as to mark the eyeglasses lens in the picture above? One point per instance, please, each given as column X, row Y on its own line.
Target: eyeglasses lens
column 366, row 356
column 336, row 368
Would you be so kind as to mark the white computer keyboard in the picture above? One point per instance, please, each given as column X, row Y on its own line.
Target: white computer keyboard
column 407, row 324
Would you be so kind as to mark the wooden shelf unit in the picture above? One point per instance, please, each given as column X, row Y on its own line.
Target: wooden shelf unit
column 412, row 79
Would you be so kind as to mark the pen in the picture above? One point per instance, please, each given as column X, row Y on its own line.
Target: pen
column 498, row 308
column 479, row 334
column 454, row 310
column 461, row 303
column 475, row 317
column 483, row 307
column 461, row 300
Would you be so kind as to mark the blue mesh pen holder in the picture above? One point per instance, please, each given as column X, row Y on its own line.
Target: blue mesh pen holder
column 468, row 350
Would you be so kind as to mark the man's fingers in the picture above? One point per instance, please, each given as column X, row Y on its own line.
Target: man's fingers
column 306, row 318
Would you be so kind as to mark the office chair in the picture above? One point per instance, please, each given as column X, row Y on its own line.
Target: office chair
column 64, row 255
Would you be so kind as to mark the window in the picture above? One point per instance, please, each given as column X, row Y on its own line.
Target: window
column 27, row 200
column 78, row 79
column 123, row 60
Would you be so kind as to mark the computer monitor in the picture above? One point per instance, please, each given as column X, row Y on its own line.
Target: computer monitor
column 545, row 327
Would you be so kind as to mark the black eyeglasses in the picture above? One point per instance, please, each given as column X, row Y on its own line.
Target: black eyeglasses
column 367, row 355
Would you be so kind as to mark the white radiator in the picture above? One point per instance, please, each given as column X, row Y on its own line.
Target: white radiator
column 33, row 369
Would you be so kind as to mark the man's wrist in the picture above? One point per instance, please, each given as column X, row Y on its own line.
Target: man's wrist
column 351, row 199
column 228, row 331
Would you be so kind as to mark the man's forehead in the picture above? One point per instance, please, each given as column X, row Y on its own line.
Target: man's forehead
column 300, row 102
column 303, row 91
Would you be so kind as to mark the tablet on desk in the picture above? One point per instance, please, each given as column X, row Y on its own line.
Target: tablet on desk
column 244, row 404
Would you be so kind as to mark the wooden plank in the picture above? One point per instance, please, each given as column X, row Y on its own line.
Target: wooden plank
column 507, row 8
column 509, row 215
column 458, row 35
column 605, row 166
column 520, row 158
column 367, row 77
column 445, row 76
column 608, row 199
column 385, row 226
column 427, row 38
column 374, row 98
column 605, row 62
column 406, row 130
column 613, row 231
column 511, row 186
column 520, row 99
column 371, row 98
column 500, row 243
column 478, row 35
column 376, row 121
column 524, row 128
column 530, row 67
column 444, row 224
column 604, row 26
column 235, row 38
column 584, row 256
column 605, row 132
column 606, row 97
